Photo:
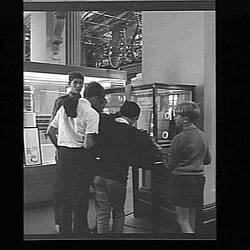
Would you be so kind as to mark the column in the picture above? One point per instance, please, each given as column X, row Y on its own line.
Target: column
column 210, row 103
column 73, row 38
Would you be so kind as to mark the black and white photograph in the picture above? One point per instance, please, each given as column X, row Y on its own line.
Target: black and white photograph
column 119, row 120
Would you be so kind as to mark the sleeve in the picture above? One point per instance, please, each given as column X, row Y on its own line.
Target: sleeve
column 174, row 152
column 54, row 123
column 57, row 105
column 92, row 123
column 145, row 150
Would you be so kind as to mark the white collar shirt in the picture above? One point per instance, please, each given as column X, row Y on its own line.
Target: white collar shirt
column 71, row 131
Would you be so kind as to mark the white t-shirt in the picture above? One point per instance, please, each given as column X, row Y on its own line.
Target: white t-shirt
column 71, row 131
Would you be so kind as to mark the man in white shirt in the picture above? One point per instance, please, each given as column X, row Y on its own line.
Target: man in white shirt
column 76, row 82
column 73, row 131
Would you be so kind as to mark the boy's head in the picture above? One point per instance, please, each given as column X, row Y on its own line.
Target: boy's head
column 130, row 111
column 95, row 93
column 186, row 112
column 76, row 81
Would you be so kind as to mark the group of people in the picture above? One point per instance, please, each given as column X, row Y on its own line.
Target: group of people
column 95, row 148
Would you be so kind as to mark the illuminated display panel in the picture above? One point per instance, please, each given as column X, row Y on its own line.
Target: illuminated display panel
column 145, row 99
column 167, row 101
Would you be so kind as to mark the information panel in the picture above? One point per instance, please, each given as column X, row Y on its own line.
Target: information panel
column 32, row 151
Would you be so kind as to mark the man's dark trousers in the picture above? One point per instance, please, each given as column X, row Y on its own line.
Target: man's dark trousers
column 73, row 183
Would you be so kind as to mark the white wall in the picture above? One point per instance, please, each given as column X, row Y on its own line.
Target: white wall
column 210, row 99
column 170, row 40
column 179, row 47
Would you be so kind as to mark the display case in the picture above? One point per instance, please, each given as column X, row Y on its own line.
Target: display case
column 157, row 102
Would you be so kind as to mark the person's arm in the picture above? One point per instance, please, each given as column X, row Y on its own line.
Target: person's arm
column 57, row 105
column 52, row 133
column 52, row 130
column 144, row 150
column 174, row 151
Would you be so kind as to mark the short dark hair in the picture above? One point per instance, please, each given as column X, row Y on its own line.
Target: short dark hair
column 188, row 109
column 94, row 89
column 130, row 109
column 75, row 74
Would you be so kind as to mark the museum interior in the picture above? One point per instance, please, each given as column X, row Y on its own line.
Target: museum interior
column 166, row 56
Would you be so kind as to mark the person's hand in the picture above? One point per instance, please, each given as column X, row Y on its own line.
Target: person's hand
column 159, row 148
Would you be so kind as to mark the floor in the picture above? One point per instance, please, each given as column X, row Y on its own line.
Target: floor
column 41, row 220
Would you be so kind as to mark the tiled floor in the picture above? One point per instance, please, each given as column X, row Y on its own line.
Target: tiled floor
column 41, row 220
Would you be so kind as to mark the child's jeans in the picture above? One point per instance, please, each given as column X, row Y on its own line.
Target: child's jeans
column 110, row 196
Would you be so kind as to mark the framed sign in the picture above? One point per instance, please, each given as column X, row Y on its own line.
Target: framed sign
column 32, row 150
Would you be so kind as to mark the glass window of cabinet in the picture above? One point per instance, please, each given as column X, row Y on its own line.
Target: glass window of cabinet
column 158, row 103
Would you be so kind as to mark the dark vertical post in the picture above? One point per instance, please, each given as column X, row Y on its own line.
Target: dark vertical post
column 155, row 205
column 135, row 183
column 154, row 190
column 199, row 220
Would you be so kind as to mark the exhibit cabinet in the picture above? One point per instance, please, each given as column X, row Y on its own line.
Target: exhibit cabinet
column 157, row 102
column 43, row 84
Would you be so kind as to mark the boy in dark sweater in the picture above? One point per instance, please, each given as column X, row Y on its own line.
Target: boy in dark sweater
column 120, row 145
column 189, row 154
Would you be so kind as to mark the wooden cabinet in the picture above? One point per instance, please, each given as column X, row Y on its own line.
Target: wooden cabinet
column 39, row 183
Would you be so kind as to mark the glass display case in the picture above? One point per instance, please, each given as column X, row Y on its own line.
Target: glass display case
column 157, row 102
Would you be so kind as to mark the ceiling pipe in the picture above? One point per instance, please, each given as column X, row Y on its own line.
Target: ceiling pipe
column 106, row 22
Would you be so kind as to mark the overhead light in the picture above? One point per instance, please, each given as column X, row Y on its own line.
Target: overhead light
column 45, row 76
column 63, row 79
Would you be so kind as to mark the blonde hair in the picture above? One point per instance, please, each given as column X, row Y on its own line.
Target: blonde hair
column 188, row 109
